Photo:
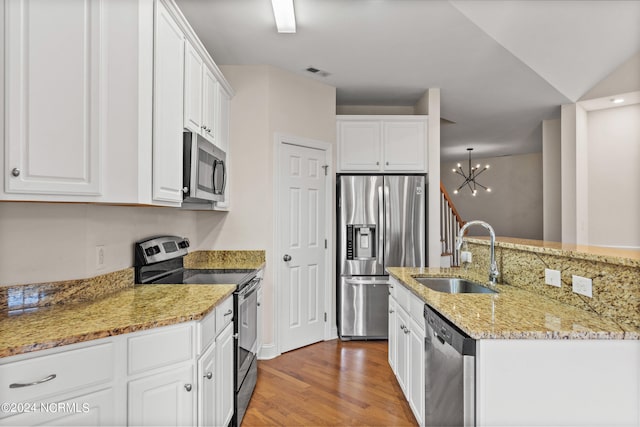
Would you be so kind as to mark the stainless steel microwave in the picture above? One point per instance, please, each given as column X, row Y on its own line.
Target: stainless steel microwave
column 204, row 171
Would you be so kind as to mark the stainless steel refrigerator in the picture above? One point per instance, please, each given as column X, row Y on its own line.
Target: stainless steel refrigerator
column 381, row 223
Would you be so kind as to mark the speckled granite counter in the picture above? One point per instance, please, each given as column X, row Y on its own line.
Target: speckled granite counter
column 40, row 316
column 513, row 313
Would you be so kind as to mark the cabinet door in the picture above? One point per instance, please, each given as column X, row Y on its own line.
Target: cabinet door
column 168, row 114
column 53, row 97
column 404, row 145
column 193, row 66
column 165, row 398
column 359, row 146
column 207, row 387
column 224, row 376
column 415, row 386
column 402, row 357
column 393, row 334
column 209, row 105
column 90, row 409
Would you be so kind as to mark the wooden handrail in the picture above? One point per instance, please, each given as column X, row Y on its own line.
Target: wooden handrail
column 451, row 205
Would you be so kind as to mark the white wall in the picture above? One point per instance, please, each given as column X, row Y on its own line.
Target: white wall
column 626, row 78
column 42, row 242
column 614, row 176
column 551, row 181
column 514, row 205
column 267, row 101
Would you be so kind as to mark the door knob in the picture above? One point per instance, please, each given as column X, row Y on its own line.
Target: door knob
column 286, row 257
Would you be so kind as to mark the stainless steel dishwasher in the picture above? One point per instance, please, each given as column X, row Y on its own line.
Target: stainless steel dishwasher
column 450, row 373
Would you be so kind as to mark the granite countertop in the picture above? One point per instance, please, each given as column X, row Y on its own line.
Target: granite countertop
column 628, row 257
column 512, row 313
column 75, row 311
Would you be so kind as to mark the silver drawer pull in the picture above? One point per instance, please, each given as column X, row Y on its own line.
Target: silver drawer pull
column 187, row 387
column 44, row 380
column 228, row 312
column 209, row 375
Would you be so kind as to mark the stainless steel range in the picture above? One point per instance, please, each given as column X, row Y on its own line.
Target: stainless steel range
column 160, row 260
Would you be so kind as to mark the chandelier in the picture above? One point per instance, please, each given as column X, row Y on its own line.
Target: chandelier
column 470, row 178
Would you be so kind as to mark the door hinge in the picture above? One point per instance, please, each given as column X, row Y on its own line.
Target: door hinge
column 326, row 168
column 325, row 317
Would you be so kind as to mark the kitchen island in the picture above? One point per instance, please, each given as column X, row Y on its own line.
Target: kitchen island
column 542, row 356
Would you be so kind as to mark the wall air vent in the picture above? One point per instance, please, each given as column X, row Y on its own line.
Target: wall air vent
column 317, row 71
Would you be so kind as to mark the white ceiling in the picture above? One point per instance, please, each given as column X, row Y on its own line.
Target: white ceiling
column 502, row 66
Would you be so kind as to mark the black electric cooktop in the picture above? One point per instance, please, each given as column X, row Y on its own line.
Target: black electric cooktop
column 209, row 277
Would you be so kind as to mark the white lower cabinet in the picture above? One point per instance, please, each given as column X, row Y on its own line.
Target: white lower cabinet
column 224, row 376
column 406, row 346
column 176, row 375
column 207, row 387
column 164, row 398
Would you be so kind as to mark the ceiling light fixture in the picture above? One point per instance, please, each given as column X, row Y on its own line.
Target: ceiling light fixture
column 617, row 100
column 285, row 15
column 470, row 179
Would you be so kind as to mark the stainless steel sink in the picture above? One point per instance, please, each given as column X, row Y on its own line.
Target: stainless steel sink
column 452, row 285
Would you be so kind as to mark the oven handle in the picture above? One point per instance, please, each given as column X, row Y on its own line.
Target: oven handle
column 250, row 288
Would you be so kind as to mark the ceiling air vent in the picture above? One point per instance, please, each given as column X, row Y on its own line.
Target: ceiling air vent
column 317, row 71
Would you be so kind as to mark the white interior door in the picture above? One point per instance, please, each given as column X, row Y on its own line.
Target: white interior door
column 302, row 207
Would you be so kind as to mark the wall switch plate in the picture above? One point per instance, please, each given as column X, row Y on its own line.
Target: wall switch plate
column 582, row 285
column 465, row 256
column 100, row 257
column 552, row 277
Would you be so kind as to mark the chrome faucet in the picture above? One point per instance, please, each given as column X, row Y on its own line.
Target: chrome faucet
column 493, row 268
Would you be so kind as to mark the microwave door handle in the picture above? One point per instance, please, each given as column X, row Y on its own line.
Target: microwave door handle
column 213, row 177
column 224, row 176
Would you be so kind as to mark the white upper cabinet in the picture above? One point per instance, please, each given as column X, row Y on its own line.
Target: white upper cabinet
column 193, row 66
column 382, row 143
column 209, row 106
column 53, row 97
column 96, row 97
column 200, row 96
column 168, row 98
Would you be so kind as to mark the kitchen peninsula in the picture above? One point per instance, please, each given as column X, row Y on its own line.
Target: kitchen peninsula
column 542, row 355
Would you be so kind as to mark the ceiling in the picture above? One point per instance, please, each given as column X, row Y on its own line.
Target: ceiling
column 502, row 66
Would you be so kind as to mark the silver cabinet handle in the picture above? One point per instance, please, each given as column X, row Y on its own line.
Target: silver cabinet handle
column 187, row 387
column 286, row 258
column 228, row 312
column 390, row 311
column 209, row 375
column 44, row 380
column 185, row 190
column 387, row 163
column 258, row 304
column 402, row 327
column 406, row 330
column 15, row 172
column 377, row 163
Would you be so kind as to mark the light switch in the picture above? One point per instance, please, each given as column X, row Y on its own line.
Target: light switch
column 552, row 277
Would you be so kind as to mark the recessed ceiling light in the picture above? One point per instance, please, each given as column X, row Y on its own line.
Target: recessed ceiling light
column 617, row 100
column 284, row 15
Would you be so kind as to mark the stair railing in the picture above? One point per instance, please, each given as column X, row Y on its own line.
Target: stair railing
column 450, row 225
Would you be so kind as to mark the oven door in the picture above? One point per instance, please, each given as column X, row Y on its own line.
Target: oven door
column 247, row 329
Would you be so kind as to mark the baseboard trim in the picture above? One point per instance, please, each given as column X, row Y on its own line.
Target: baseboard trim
column 267, row 352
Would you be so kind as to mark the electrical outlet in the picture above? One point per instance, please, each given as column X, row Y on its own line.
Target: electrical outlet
column 582, row 285
column 552, row 277
column 465, row 256
column 100, row 257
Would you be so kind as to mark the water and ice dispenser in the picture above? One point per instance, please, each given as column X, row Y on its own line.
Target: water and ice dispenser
column 361, row 241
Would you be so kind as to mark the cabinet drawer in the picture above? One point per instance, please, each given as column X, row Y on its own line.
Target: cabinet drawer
column 402, row 297
column 416, row 309
column 57, row 373
column 206, row 331
column 159, row 348
column 224, row 314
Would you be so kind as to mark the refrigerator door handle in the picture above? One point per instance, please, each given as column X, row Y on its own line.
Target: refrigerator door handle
column 354, row 281
column 387, row 225
column 380, row 251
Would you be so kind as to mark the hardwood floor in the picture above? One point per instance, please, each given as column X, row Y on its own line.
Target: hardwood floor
column 332, row 383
